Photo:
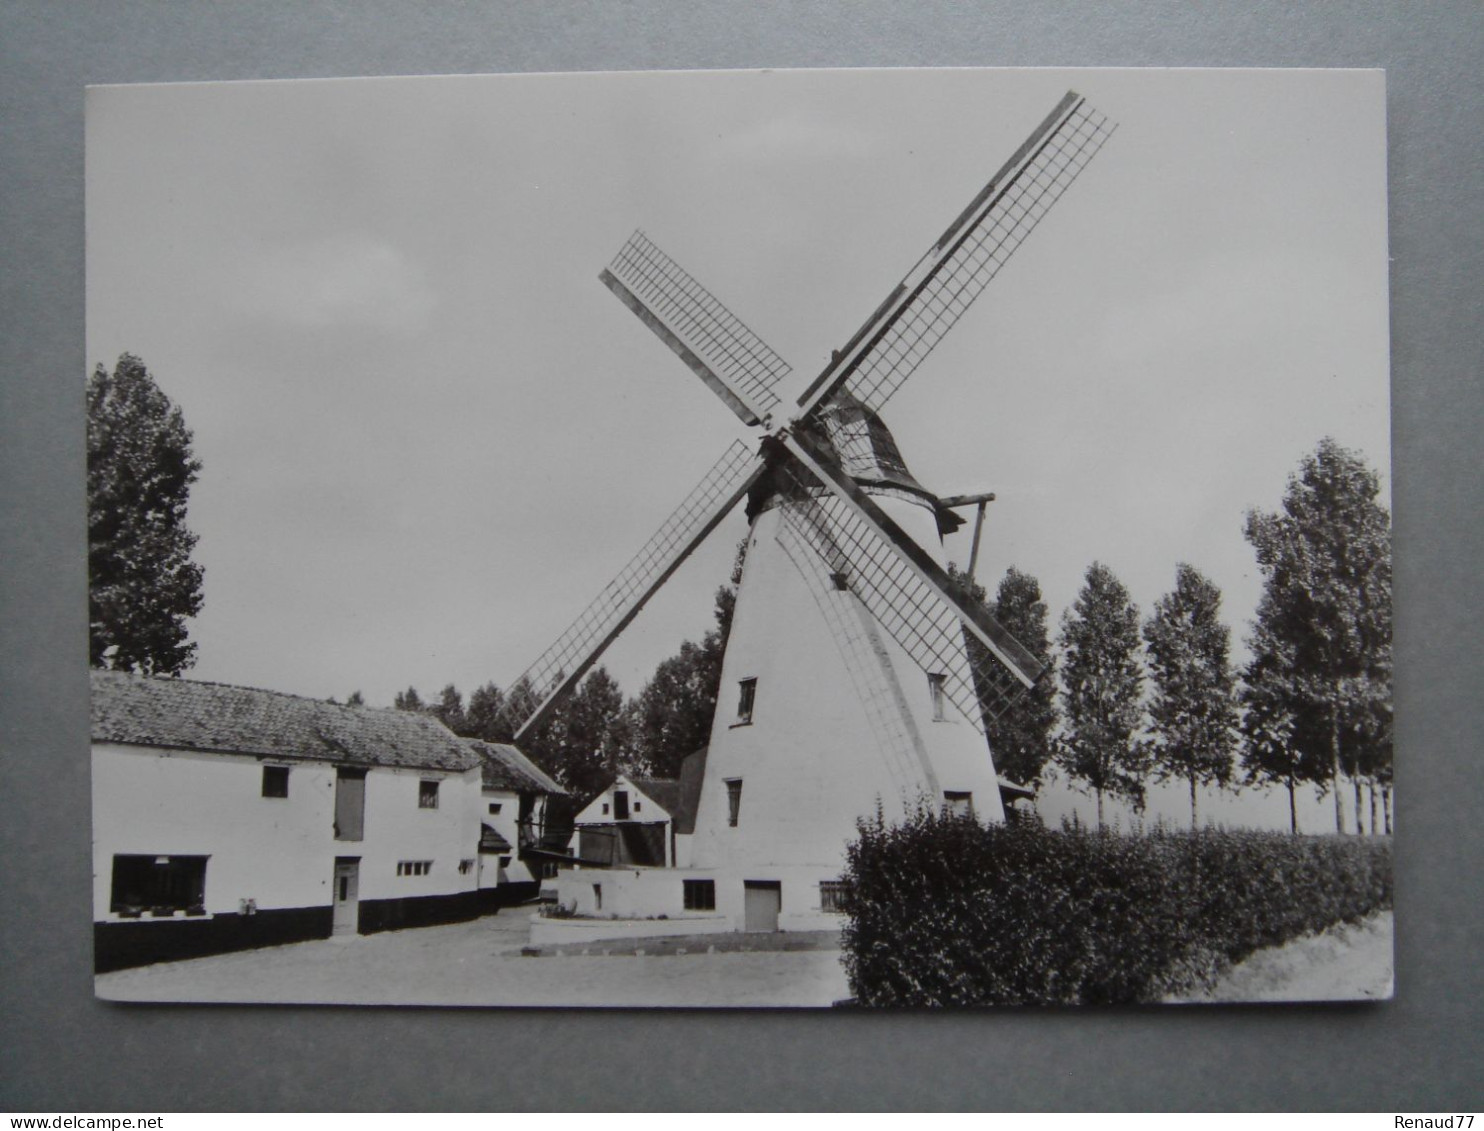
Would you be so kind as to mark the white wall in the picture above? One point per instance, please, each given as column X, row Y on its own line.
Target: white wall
column 812, row 760
column 507, row 823
column 397, row 829
column 600, row 809
column 279, row 852
column 646, row 893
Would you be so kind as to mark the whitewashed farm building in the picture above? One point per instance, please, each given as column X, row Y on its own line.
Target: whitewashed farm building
column 229, row 817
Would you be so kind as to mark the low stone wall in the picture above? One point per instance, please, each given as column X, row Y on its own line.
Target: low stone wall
column 568, row 932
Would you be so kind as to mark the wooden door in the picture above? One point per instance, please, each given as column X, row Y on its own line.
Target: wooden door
column 347, row 895
column 350, row 804
column 762, row 901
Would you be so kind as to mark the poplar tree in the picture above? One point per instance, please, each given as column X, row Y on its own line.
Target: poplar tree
column 1284, row 739
column 1192, row 711
column 1326, row 604
column 1020, row 738
column 142, row 583
column 1102, row 680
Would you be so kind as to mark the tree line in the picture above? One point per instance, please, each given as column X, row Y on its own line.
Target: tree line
column 1129, row 699
column 1157, row 699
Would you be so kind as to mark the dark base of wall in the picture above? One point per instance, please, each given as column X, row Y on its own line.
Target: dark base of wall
column 507, row 895
column 117, row 946
column 426, row 911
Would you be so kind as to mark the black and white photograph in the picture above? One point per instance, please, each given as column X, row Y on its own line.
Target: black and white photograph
column 798, row 538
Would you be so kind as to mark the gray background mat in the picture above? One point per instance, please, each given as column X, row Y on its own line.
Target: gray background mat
column 62, row 1051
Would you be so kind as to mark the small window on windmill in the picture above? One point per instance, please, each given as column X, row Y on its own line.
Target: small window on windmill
column 734, row 800
column 494, row 808
column 832, row 896
column 700, row 895
column 935, row 689
column 746, row 698
column 957, row 804
column 840, row 579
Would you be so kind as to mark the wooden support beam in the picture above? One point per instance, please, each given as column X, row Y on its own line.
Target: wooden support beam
column 974, row 550
column 732, row 398
column 952, row 502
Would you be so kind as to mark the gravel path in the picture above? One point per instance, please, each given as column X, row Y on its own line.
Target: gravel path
column 480, row 963
column 1345, row 963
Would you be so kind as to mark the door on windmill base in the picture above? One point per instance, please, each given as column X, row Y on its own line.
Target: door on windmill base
column 762, row 901
column 347, row 897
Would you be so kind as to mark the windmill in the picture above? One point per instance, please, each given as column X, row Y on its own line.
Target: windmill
column 847, row 651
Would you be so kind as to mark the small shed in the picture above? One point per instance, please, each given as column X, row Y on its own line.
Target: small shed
column 629, row 824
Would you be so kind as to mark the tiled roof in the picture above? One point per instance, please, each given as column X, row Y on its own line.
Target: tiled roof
column 220, row 718
column 692, row 771
column 665, row 792
column 505, row 767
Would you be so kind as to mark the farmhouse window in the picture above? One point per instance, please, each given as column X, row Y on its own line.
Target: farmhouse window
column 161, row 885
column 621, row 804
column 414, row 867
column 746, row 697
column 636, row 805
column 700, row 895
column 957, row 804
column 832, row 895
column 935, row 689
column 605, row 808
column 275, row 781
column 494, row 807
column 427, row 795
column 734, row 800
column 465, row 867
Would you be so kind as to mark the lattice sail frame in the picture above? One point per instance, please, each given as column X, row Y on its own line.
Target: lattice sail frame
column 927, row 628
column 955, row 271
column 565, row 662
column 725, row 346
column 745, row 372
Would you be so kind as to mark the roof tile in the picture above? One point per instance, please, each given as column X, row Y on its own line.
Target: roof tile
column 221, row 718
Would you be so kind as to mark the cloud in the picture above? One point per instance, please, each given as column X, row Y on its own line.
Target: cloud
column 350, row 281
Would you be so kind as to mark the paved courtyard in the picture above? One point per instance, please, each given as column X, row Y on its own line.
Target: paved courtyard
column 481, row 963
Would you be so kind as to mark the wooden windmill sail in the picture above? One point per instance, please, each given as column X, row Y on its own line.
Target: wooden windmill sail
column 844, row 590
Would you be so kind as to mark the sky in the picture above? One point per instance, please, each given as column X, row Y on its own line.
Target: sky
column 429, row 434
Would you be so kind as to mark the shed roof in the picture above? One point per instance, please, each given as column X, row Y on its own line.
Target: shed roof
column 492, row 840
column 221, row 718
column 504, row 767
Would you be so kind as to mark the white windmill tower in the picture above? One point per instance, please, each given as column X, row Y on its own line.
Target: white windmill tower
column 846, row 684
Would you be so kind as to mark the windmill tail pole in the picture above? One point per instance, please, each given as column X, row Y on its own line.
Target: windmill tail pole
column 974, row 549
column 981, row 501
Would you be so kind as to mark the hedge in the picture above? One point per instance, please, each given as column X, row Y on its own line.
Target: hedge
column 945, row 911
